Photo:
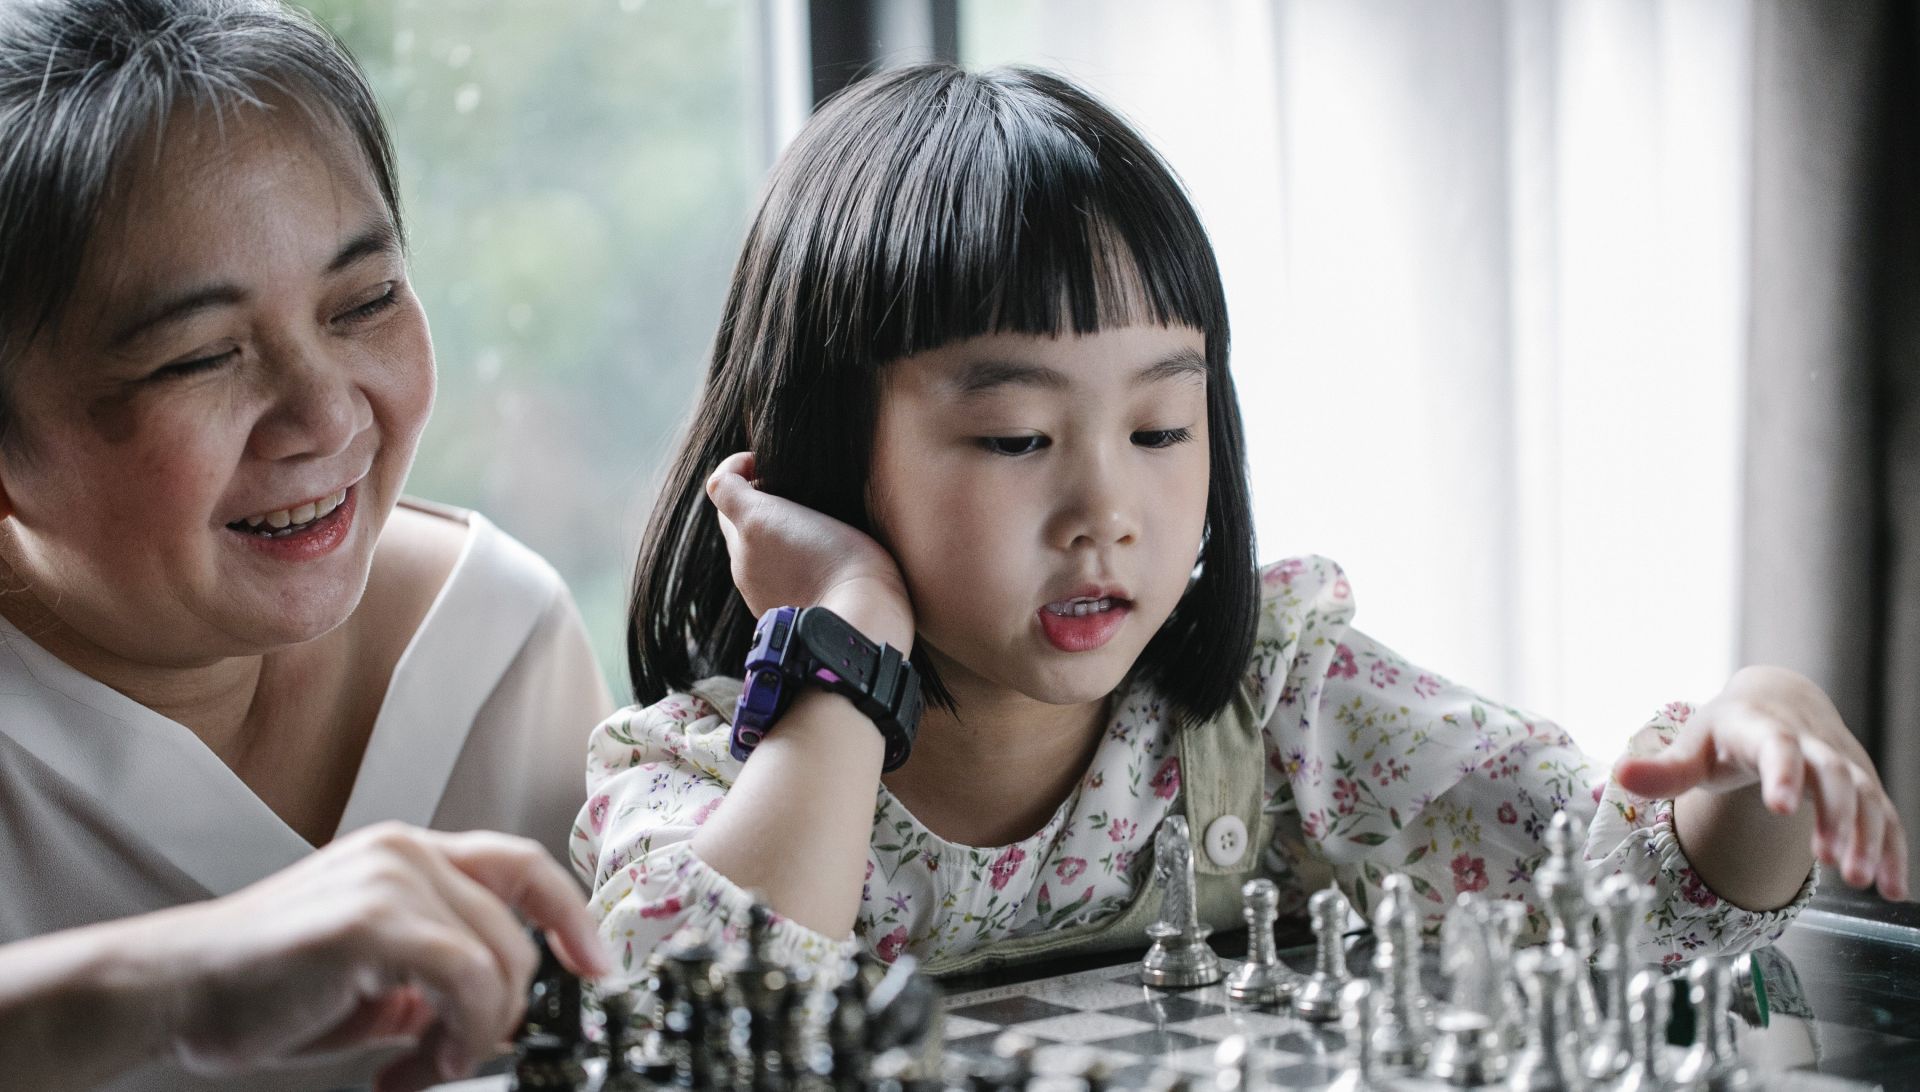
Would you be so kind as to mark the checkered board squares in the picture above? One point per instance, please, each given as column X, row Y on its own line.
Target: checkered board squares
column 1136, row 1030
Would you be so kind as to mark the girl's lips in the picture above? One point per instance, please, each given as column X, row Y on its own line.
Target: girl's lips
column 315, row 540
column 1083, row 632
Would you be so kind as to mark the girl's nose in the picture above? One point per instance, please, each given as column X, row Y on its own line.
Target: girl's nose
column 1099, row 508
column 317, row 410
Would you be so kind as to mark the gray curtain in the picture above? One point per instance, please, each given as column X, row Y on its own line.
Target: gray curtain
column 1832, row 535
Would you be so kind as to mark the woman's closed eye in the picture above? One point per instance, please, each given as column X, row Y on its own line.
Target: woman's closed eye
column 388, row 295
column 196, row 366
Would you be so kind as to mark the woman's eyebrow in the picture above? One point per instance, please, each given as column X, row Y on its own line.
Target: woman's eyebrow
column 378, row 238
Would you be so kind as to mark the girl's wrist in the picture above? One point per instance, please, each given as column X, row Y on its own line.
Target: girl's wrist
column 877, row 619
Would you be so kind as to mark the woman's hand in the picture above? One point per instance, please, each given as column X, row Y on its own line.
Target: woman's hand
column 1774, row 729
column 390, row 935
column 785, row 554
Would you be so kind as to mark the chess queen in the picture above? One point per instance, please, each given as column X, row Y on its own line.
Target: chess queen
column 969, row 433
column 225, row 638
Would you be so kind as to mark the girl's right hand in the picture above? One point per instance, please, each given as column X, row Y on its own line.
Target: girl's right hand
column 786, row 554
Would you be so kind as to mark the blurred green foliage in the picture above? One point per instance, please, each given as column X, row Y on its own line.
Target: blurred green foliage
column 576, row 176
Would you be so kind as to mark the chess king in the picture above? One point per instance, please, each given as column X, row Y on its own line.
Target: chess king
column 969, row 434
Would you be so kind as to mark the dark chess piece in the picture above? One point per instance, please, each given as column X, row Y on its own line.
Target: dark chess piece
column 546, row 1054
column 844, row 1056
column 625, row 1071
column 692, row 1019
column 763, row 1002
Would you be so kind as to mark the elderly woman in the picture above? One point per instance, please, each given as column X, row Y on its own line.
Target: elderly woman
column 225, row 638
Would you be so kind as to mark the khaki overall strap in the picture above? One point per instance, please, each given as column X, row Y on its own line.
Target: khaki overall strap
column 1222, row 774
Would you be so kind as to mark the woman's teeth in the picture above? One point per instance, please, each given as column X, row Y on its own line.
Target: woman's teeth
column 1078, row 607
column 290, row 519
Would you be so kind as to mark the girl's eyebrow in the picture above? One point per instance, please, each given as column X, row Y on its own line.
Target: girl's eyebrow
column 983, row 376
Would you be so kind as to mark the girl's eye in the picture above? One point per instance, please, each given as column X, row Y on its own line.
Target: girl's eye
column 1013, row 445
column 196, row 366
column 1162, row 437
column 387, row 298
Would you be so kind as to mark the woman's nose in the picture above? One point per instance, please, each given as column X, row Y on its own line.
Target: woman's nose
column 317, row 409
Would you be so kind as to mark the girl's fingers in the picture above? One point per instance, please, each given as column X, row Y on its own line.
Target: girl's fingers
column 1834, row 801
column 1894, row 863
column 1673, row 771
column 1870, row 829
column 1783, row 773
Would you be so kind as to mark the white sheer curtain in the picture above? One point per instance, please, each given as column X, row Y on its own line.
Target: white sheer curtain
column 1485, row 262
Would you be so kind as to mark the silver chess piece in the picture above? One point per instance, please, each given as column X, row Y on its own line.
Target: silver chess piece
column 1356, row 1022
column 1476, row 943
column 1712, row 1063
column 1622, row 905
column 1403, row 1019
column 1647, row 1013
column 1180, row 957
column 1467, row 1052
column 1562, row 886
column 1548, row 1062
column 1262, row 980
column 1318, row 998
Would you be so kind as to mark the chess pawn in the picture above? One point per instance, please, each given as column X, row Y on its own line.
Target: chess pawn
column 844, row 1057
column 1318, row 998
column 621, row 1074
column 1356, row 1023
column 547, row 1052
column 1262, row 980
column 1711, row 1063
column 693, row 1021
column 1647, row 1016
column 1548, row 1062
column 1402, row 1015
column 1622, row 904
column 1180, row 958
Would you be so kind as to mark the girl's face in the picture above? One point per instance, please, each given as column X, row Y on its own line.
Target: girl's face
column 208, row 445
column 1045, row 498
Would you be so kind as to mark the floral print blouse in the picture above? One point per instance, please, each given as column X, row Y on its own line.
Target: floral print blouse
column 1373, row 766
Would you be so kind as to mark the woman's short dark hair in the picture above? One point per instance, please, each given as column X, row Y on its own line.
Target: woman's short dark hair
column 920, row 207
column 82, row 82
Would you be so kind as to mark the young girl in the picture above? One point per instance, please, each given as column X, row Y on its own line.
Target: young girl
column 970, row 396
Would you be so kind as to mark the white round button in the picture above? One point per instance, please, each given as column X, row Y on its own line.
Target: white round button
column 1226, row 841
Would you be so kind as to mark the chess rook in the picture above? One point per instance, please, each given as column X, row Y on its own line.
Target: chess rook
column 1180, row 957
column 1549, row 1061
column 1621, row 905
column 1710, row 1063
column 1647, row 1015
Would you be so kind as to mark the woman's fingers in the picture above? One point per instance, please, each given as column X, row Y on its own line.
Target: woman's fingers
column 460, row 973
column 520, row 874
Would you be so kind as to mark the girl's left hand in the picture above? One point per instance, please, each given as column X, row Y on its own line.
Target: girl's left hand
column 1774, row 727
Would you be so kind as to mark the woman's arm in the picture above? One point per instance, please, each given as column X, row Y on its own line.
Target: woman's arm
column 390, row 936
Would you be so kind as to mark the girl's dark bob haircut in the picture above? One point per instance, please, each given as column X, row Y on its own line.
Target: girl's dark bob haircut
column 84, row 82
column 919, row 207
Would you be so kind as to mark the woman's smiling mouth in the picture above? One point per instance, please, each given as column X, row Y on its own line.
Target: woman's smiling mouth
column 288, row 521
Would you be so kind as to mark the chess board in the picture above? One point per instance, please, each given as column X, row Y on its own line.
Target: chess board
column 1136, row 1030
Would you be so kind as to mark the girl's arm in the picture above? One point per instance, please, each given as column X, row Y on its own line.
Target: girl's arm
column 1741, row 772
column 796, row 824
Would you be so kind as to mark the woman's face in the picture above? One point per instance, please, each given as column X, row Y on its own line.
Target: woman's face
column 207, row 446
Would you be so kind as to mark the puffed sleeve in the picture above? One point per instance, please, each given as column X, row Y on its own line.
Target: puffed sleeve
column 1377, row 766
column 654, row 775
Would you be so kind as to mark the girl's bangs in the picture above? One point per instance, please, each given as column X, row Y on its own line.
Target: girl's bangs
column 1045, row 220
